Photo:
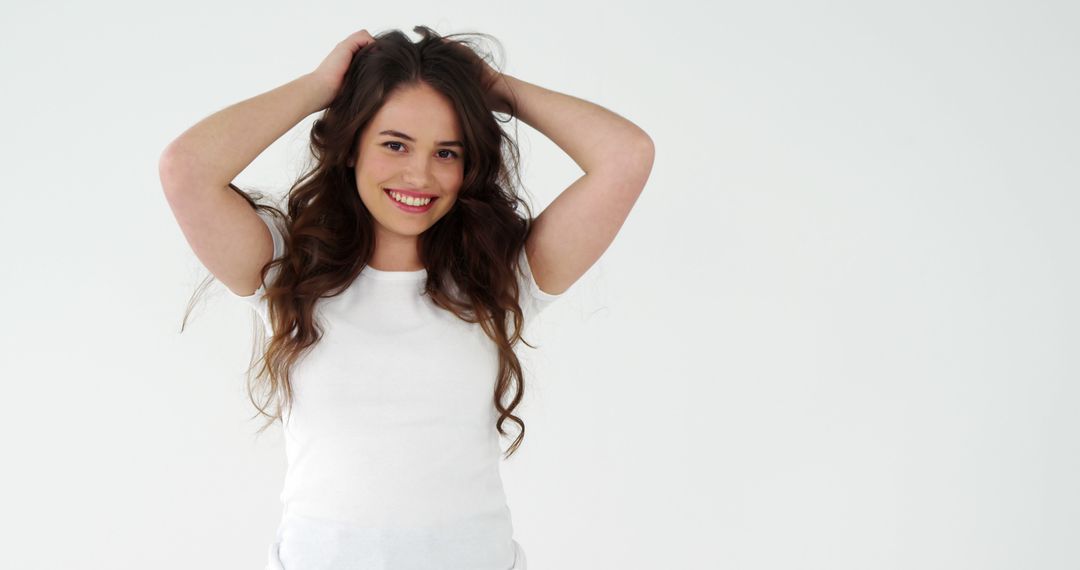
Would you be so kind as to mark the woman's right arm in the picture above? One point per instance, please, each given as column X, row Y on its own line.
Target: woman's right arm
column 219, row 147
column 221, row 227
column 212, row 153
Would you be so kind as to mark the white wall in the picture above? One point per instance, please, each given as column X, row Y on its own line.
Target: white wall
column 839, row 329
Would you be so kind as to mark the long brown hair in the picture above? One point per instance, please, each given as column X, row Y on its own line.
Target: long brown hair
column 471, row 254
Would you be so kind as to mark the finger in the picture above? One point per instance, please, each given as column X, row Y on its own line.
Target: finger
column 358, row 37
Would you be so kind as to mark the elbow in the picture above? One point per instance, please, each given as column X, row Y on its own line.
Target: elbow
column 632, row 158
column 647, row 142
column 644, row 156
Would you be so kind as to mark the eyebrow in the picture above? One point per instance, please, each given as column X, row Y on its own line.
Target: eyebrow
column 410, row 139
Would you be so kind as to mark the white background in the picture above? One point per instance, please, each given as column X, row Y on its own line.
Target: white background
column 839, row 329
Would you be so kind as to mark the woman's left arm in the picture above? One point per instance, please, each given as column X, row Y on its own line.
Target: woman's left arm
column 617, row 156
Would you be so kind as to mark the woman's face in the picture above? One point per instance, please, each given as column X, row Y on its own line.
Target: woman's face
column 432, row 163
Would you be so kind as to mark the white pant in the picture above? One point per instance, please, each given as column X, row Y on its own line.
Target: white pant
column 319, row 545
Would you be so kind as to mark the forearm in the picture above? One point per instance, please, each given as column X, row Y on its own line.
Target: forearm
column 216, row 149
column 593, row 136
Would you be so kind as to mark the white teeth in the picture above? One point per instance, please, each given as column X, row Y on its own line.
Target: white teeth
column 409, row 200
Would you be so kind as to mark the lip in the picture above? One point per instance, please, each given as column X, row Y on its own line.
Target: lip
column 406, row 207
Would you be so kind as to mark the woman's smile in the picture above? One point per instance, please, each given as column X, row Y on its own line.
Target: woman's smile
column 408, row 203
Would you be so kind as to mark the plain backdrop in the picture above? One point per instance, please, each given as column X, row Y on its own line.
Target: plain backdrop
column 838, row 331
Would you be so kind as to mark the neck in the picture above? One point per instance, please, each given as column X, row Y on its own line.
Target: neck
column 396, row 253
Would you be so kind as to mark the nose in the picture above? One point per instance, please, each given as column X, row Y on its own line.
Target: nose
column 418, row 171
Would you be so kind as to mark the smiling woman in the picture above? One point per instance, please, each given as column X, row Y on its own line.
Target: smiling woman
column 418, row 165
column 407, row 232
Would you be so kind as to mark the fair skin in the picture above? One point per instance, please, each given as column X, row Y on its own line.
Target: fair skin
column 390, row 161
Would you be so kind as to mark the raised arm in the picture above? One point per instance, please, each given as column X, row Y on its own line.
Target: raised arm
column 617, row 156
column 197, row 169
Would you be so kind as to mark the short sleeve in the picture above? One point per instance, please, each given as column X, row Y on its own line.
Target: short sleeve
column 533, row 299
column 256, row 300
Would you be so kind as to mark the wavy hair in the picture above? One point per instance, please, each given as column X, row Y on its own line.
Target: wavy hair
column 471, row 254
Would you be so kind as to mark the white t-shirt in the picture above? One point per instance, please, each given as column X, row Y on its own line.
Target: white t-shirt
column 393, row 456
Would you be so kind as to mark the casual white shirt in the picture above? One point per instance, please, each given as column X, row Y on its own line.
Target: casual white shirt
column 393, row 456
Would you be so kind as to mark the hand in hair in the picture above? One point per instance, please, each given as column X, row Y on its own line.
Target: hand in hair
column 331, row 72
column 496, row 87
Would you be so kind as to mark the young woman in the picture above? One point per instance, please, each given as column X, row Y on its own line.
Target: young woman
column 396, row 284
